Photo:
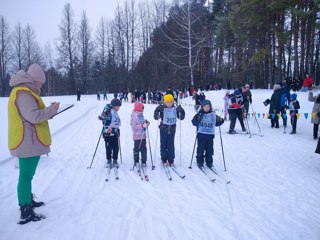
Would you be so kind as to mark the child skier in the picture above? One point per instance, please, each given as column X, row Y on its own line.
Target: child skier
column 206, row 120
column 139, row 125
column 294, row 106
column 235, row 111
column 111, row 132
column 168, row 114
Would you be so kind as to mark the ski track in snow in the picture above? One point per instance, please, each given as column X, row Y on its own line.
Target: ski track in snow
column 273, row 194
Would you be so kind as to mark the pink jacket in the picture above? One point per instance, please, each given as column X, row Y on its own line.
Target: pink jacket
column 30, row 114
column 137, row 119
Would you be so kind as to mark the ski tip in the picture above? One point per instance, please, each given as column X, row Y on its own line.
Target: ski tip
column 228, row 182
column 213, row 180
column 190, row 167
column 183, row 177
column 107, row 180
column 117, row 178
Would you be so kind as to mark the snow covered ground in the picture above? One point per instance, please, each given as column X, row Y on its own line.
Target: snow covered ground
column 274, row 193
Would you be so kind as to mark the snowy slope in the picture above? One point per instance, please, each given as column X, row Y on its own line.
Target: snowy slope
column 274, row 193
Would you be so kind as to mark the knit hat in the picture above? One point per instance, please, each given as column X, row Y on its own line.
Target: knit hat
column 168, row 98
column 294, row 96
column 36, row 73
column 205, row 102
column 138, row 107
column 237, row 92
column 276, row 86
column 115, row 102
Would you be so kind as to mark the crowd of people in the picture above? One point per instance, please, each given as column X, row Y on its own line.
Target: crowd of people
column 29, row 133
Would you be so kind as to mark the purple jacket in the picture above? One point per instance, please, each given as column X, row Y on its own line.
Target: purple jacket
column 137, row 119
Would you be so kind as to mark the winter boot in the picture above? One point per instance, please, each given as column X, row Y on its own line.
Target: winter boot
column 108, row 163
column 209, row 165
column 28, row 215
column 115, row 163
column 232, row 132
column 35, row 204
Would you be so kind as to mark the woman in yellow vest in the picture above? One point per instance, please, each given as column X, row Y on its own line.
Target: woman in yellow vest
column 29, row 133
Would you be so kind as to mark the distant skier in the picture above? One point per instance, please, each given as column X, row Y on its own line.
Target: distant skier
column 139, row 124
column 226, row 103
column 78, row 94
column 206, row 120
column 294, row 106
column 111, row 131
column 168, row 114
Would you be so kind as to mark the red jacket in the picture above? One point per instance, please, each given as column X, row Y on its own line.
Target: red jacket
column 308, row 81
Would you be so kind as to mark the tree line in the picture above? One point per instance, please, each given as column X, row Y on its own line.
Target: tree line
column 156, row 44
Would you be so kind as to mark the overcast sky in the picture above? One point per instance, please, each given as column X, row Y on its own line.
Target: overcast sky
column 45, row 15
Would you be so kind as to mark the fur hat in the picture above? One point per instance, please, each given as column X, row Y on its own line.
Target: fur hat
column 138, row 107
column 115, row 102
column 36, row 73
column 168, row 98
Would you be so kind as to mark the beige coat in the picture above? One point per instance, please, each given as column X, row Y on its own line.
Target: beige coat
column 316, row 107
column 30, row 115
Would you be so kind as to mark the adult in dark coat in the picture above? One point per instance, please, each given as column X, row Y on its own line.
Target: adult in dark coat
column 247, row 97
column 275, row 105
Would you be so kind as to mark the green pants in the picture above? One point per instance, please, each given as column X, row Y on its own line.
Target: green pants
column 28, row 168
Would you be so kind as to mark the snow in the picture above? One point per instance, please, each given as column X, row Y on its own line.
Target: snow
column 274, row 193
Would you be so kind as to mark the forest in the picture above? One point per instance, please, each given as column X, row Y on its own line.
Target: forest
column 156, row 44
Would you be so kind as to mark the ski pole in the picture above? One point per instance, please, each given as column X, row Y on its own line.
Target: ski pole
column 224, row 161
column 150, row 150
column 194, row 147
column 95, row 150
column 246, row 122
column 155, row 154
column 180, row 133
column 119, row 142
column 255, row 117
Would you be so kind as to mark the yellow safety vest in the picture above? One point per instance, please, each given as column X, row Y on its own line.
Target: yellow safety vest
column 15, row 124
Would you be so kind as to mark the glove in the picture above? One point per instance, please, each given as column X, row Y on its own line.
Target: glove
column 99, row 117
column 160, row 108
column 179, row 109
column 200, row 116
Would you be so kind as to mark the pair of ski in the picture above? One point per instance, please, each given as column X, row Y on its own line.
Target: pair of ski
column 167, row 168
column 245, row 133
column 115, row 170
column 216, row 174
column 141, row 170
